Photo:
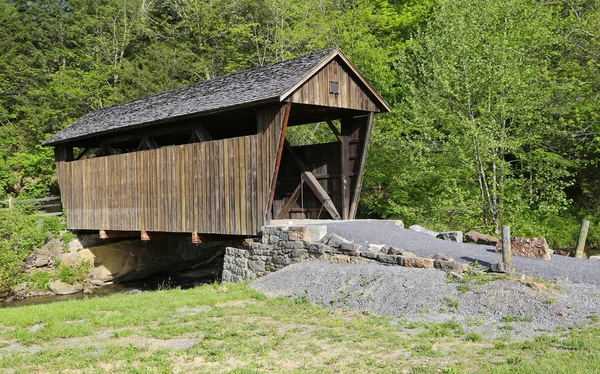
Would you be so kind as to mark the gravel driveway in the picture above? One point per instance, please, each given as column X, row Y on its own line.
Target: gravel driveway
column 366, row 232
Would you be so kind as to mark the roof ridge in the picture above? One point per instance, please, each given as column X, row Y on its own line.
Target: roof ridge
column 325, row 52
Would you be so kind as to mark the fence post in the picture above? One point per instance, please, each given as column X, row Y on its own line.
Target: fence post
column 10, row 203
column 506, row 249
column 583, row 231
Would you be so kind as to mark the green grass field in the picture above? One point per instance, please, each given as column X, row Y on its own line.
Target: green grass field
column 233, row 329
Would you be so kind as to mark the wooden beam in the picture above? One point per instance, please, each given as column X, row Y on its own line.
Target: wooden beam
column 196, row 238
column 321, row 194
column 106, row 234
column 282, row 141
column 59, row 154
column 201, row 133
column 345, row 163
column 361, row 167
column 335, row 130
column 82, row 153
column 69, row 153
column 291, row 201
column 106, row 149
column 297, row 159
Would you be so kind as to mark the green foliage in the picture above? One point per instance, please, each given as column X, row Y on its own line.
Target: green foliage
column 40, row 279
column 494, row 102
column 77, row 273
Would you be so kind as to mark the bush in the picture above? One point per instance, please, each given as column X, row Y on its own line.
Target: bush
column 74, row 274
column 41, row 279
column 21, row 233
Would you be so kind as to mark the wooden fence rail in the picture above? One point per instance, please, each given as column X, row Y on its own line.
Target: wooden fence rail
column 48, row 206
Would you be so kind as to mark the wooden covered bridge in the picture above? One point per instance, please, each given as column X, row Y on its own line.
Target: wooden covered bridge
column 212, row 158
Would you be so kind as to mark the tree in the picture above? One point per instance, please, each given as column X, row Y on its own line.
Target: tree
column 474, row 115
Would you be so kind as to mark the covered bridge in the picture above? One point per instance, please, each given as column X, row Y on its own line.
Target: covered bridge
column 212, row 158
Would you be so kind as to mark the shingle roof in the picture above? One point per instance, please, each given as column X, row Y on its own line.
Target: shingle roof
column 249, row 86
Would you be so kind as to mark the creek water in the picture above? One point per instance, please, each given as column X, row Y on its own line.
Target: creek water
column 152, row 283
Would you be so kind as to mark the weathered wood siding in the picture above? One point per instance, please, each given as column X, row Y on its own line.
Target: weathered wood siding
column 316, row 90
column 215, row 187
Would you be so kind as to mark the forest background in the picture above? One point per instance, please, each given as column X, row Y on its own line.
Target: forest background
column 495, row 102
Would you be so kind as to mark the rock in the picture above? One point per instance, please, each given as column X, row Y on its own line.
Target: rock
column 319, row 248
column 376, row 247
column 310, row 234
column 400, row 252
column 501, row 267
column 453, row 236
column 458, row 267
column 563, row 252
column 455, row 275
column 595, row 257
column 336, row 241
column 529, row 247
column 419, row 262
column 62, row 288
column 535, row 285
column 370, row 254
column 67, row 259
column 479, row 238
column 387, row 259
column 442, row 256
column 343, row 259
column 349, row 247
column 42, row 261
column 126, row 260
column 399, row 223
column 423, row 230
column 99, row 283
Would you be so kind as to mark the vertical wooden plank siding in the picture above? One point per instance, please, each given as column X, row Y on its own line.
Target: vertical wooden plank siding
column 218, row 187
column 351, row 93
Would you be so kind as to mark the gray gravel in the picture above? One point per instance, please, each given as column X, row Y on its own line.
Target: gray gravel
column 366, row 232
column 413, row 295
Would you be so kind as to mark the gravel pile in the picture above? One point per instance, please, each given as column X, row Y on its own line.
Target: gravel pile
column 498, row 308
column 366, row 232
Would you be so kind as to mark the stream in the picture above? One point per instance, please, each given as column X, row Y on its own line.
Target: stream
column 152, row 283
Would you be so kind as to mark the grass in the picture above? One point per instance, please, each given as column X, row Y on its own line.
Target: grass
column 232, row 328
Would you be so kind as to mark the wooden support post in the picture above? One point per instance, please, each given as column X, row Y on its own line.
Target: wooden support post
column 82, row 153
column 69, row 154
column 290, row 203
column 583, row 231
column 361, row 167
column 345, row 163
column 281, row 145
column 506, row 249
column 321, row 194
column 196, row 238
column 295, row 156
column 334, row 130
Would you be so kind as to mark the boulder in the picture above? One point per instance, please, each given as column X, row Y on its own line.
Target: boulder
column 423, row 230
column 419, row 262
column 595, row 257
column 457, row 267
column 442, row 256
column 453, row 236
column 335, row 240
column 133, row 259
column 501, row 267
column 529, row 247
column 479, row 238
column 376, row 247
column 400, row 252
column 62, row 288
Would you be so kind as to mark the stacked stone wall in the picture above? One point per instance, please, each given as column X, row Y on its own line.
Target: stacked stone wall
column 281, row 246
